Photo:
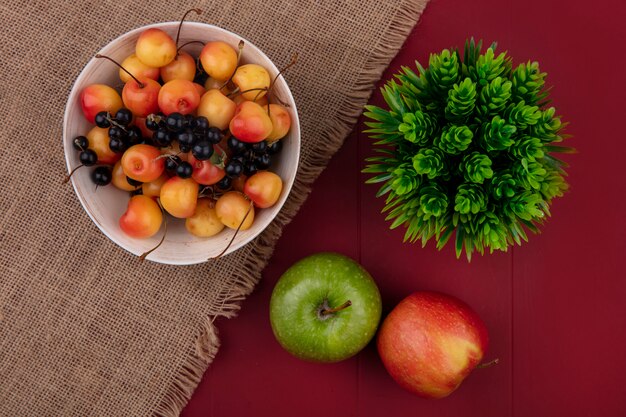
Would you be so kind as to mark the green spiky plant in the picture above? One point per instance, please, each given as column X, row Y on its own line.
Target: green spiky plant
column 465, row 146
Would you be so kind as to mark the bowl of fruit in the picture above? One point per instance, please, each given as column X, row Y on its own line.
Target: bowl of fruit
column 182, row 141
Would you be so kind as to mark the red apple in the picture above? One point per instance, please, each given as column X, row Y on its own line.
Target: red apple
column 430, row 343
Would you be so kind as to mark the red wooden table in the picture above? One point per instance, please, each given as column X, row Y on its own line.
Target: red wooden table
column 555, row 307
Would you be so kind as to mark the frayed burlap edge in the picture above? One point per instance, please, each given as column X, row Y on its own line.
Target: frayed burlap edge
column 207, row 342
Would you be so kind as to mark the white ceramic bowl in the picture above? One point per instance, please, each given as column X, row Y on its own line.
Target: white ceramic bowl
column 107, row 204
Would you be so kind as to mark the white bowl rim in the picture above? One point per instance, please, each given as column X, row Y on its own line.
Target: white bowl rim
column 295, row 126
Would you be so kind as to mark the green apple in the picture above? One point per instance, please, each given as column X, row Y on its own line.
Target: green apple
column 325, row 308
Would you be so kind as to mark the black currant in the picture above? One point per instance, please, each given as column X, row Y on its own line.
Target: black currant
column 236, row 145
column 80, row 143
column 234, row 168
column 88, row 157
column 118, row 145
column 213, row 135
column 225, row 183
column 175, row 122
column 161, row 119
column 189, row 121
column 162, row 137
column 102, row 119
column 151, row 122
column 101, row 175
column 133, row 182
column 249, row 155
column 116, row 132
column 123, row 117
column 202, row 150
column 134, row 135
column 186, row 138
column 184, row 148
column 249, row 168
column 275, row 147
column 184, row 169
column 201, row 124
column 171, row 163
column 259, row 147
column 263, row 161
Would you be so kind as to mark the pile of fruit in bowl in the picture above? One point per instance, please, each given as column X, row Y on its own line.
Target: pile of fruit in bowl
column 181, row 148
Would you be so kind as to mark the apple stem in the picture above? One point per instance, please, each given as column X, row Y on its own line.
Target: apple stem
column 488, row 364
column 141, row 85
column 326, row 311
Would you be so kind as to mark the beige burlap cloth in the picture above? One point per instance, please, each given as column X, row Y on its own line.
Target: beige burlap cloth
column 85, row 328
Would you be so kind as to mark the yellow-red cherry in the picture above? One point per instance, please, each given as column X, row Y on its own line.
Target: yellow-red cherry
column 98, row 138
column 250, row 123
column 99, row 97
column 143, row 163
column 179, row 196
column 263, row 188
column 143, row 217
column 178, row 96
column 141, row 98
column 134, row 65
column 219, row 60
column 155, row 48
column 183, row 67
column 232, row 208
column 217, row 108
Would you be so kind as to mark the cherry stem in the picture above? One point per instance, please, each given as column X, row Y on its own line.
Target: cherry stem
column 270, row 91
column 67, row 177
column 237, row 92
column 111, row 120
column 236, row 231
column 488, row 364
column 294, row 61
column 141, row 85
column 185, row 44
column 239, row 53
column 143, row 255
column 76, row 143
column 327, row 311
column 198, row 11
